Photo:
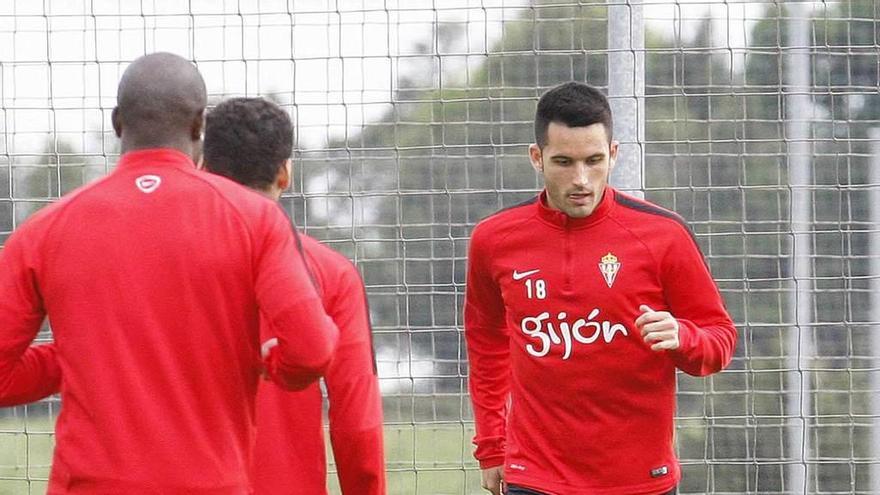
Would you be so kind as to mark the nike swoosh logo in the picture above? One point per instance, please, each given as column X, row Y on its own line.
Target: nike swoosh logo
column 519, row 276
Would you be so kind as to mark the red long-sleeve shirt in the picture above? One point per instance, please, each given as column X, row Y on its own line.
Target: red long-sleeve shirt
column 289, row 456
column 550, row 308
column 154, row 279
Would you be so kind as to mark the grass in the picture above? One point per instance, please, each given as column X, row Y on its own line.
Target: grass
column 424, row 459
column 25, row 454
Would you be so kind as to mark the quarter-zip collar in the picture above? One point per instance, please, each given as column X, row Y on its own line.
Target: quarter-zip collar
column 561, row 220
column 156, row 157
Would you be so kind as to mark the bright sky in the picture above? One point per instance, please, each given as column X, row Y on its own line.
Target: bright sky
column 339, row 60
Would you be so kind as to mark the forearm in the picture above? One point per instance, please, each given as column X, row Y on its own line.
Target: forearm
column 706, row 332
column 356, row 415
column 704, row 349
column 304, row 345
column 360, row 460
column 490, row 436
column 489, row 385
column 488, row 347
column 30, row 377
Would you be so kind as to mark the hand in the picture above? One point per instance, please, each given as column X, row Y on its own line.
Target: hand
column 267, row 346
column 265, row 351
column 659, row 329
column 492, row 478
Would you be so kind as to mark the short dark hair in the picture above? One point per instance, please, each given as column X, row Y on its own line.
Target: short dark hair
column 573, row 104
column 247, row 140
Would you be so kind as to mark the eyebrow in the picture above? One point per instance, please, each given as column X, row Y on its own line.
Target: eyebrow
column 599, row 154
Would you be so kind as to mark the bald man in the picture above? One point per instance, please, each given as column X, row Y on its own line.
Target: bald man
column 154, row 279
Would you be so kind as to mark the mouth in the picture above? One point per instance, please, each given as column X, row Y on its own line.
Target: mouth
column 580, row 199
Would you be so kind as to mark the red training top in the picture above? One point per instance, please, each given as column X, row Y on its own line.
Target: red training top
column 154, row 279
column 289, row 456
column 550, row 314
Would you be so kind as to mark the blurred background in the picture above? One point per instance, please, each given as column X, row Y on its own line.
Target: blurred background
column 756, row 121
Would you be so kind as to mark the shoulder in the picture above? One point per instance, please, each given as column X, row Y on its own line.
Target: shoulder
column 42, row 219
column 328, row 264
column 256, row 211
column 320, row 251
column 324, row 257
column 645, row 210
column 236, row 194
column 504, row 221
column 645, row 217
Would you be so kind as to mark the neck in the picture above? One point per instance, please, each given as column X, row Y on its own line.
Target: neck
column 270, row 192
column 183, row 145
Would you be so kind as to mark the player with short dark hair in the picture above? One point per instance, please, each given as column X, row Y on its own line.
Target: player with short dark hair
column 575, row 105
column 155, row 278
column 250, row 141
column 580, row 305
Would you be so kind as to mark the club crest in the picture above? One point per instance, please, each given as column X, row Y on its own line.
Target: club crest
column 609, row 266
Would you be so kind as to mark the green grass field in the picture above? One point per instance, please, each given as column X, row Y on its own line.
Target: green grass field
column 420, row 459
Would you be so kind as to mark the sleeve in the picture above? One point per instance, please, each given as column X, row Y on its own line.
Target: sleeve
column 488, row 354
column 42, row 359
column 706, row 332
column 292, row 311
column 353, row 390
column 27, row 373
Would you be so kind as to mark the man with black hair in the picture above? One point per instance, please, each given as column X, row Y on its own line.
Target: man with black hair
column 155, row 279
column 580, row 305
column 250, row 140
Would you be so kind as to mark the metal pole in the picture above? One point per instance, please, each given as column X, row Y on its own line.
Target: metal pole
column 874, row 246
column 626, row 90
column 799, row 342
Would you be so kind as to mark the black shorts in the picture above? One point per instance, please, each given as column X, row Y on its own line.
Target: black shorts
column 519, row 490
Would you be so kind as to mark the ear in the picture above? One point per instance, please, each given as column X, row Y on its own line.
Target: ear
column 116, row 121
column 613, row 148
column 284, row 176
column 197, row 125
column 536, row 158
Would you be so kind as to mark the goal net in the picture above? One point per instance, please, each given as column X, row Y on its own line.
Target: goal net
column 756, row 121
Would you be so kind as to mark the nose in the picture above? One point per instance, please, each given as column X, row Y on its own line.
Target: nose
column 581, row 175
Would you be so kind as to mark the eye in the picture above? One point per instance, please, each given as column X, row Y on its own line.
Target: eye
column 561, row 161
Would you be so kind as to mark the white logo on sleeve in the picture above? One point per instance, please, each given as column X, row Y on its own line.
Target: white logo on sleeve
column 521, row 275
column 609, row 266
column 148, row 183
